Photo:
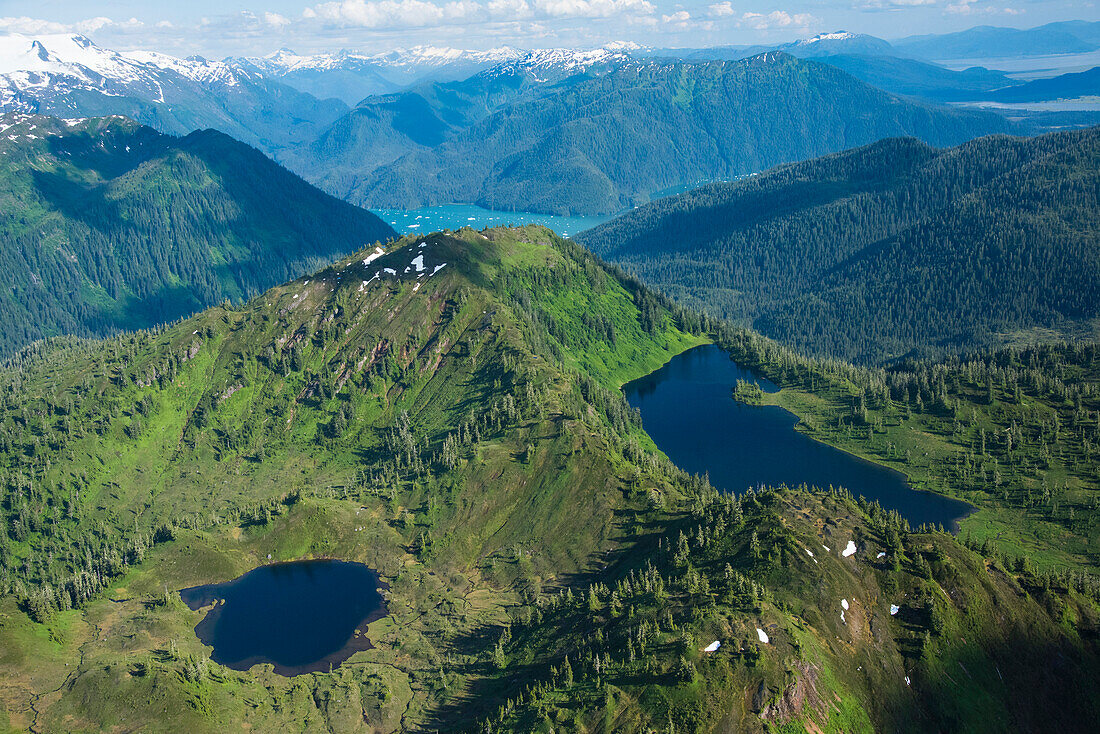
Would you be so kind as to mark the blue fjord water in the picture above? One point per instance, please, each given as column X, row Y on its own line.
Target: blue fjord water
column 300, row 616
column 688, row 409
column 455, row 216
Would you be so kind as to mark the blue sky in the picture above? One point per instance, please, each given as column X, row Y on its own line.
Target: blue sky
column 217, row 28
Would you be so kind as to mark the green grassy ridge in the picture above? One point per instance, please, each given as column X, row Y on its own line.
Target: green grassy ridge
column 111, row 225
column 634, row 638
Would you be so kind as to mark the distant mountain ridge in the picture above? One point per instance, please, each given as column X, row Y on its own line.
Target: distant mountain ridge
column 383, row 128
column 108, row 224
column 993, row 42
column 603, row 141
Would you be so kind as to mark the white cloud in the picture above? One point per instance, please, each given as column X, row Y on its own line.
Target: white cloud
column 681, row 16
column 893, row 4
column 971, row 7
column 377, row 14
column 592, row 8
column 721, row 10
column 37, row 26
column 275, row 20
column 510, row 9
column 778, row 19
column 393, row 13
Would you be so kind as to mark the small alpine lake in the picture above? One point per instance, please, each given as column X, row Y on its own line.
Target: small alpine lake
column 688, row 409
column 301, row 616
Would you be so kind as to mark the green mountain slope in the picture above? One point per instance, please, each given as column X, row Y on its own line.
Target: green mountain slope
column 108, row 225
column 886, row 250
column 603, row 144
column 746, row 617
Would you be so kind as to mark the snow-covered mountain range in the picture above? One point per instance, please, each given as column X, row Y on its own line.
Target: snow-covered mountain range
column 32, row 67
column 68, row 75
column 351, row 76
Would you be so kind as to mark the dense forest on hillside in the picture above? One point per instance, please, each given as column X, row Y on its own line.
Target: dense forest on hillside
column 888, row 250
column 109, row 225
column 603, row 144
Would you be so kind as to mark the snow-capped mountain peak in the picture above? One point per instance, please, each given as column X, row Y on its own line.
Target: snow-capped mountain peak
column 834, row 36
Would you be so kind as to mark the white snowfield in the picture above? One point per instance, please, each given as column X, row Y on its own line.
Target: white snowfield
column 850, row 550
column 894, row 609
column 417, row 263
column 37, row 72
column 762, row 635
column 378, row 252
column 712, row 647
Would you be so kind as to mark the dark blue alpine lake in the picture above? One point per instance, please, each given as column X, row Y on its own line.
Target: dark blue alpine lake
column 301, row 616
column 688, row 409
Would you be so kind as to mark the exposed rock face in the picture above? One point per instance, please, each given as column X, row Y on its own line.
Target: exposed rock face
column 795, row 698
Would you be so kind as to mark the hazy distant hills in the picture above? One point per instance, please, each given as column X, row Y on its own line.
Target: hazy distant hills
column 556, row 130
column 351, row 77
column 1064, row 86
column 1071, row 37
column 889, row 249
column 823, row 44
column 600, row 143
column 108, row 224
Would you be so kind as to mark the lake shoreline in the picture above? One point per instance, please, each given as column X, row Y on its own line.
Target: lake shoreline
column 207, row 597
column 689, row 411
